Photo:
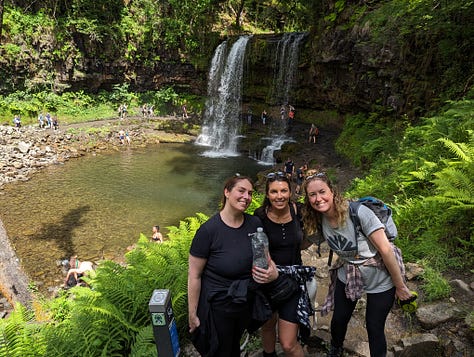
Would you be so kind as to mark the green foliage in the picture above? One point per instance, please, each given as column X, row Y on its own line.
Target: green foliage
column 111, row 318
column 454, row 183
column 373, row 135
column 440, row 30
column 20, row 336
column 338, row 8
column 257, row 200
column 434, row 286
column 429, row 183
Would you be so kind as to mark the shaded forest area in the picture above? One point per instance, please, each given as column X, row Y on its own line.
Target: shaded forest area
column 421, row 50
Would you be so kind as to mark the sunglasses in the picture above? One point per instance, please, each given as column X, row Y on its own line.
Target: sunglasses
column 276, row 175
column 318, row 175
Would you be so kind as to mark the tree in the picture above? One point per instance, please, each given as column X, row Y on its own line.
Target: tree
column 1, row 19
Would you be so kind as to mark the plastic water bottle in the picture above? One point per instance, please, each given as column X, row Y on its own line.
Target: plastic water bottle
column 260, row 248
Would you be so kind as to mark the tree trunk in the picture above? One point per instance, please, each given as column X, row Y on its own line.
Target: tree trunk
column 238, row 20
column 1, row 19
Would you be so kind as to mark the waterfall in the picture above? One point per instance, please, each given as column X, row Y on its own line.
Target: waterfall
column 284, row 80
column 286, row 65
column 275, row 143
column 220, row 130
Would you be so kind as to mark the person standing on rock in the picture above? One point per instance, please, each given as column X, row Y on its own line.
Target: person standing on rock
column 282, row 112
column 367, row 262
column 185, row 111
column 264, row 117
column 313, row 134
column 289, row 168
column 41, row 120
column 121, row 136
column 300, row 174
column 17, row 122
column 220, row 272
column 281, row 220
column 48, row 121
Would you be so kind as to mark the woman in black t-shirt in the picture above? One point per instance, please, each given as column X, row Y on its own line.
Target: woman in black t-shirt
column 285, row 235
column 220, row 269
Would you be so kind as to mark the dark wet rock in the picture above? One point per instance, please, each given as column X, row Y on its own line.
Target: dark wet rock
column 425, row 344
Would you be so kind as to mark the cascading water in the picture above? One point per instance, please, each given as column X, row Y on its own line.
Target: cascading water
column 286, row 65
column 221, row 126
column 274, row 144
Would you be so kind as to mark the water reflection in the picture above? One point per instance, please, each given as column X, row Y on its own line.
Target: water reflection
column 97, row 206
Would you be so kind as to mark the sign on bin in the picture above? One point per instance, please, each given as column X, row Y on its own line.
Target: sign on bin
column 164, row 324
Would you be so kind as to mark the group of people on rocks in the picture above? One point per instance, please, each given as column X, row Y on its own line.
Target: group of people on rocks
column 47, row 121
column 228, row 294
column 76, row 270
column 124, row 136
column 287, row 116
column 147, row 110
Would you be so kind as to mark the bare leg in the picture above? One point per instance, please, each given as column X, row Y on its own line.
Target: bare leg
column 287, row 333
column 268, row 331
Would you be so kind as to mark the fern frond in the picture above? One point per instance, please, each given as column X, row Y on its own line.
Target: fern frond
column 144, row 345
column 461, row 150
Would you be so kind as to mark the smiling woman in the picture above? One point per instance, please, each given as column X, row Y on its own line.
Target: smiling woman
column 96, row 207
column 281, row 220
column 220, row 270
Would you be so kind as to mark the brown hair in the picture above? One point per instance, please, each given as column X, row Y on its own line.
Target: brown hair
column 274, row 176
column 230, row 184
column 312, row 219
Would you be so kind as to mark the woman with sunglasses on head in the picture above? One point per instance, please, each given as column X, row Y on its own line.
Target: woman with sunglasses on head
column 220, row 270
column 281, row 221
column 367, row 262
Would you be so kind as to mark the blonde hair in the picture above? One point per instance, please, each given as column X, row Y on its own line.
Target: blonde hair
column 312, row 219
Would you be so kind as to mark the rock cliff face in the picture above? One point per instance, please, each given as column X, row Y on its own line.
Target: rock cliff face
column 344, row 69
column 13, row 281
column 340, row 71
column 337, row 70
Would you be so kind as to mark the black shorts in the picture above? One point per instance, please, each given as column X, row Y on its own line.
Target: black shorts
column 287, row 310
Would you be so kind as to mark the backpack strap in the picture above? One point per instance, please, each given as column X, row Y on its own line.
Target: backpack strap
column 354, row 215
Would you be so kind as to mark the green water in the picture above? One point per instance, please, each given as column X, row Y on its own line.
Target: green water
column 97, row 206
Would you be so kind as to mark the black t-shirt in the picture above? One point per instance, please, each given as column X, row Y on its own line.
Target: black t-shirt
column 284, row 239
column 228, row 250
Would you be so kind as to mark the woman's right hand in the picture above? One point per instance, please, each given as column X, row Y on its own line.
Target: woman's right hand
column 194, row 323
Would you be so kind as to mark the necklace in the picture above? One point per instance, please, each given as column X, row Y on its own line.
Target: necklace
column 280, row 219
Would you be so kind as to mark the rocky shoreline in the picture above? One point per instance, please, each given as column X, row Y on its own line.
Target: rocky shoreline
column 29, row 149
